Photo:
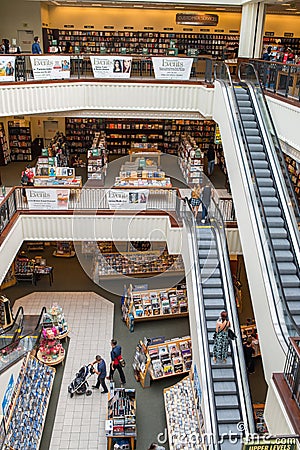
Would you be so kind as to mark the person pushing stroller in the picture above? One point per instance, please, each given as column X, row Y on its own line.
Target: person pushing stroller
column 99, row 367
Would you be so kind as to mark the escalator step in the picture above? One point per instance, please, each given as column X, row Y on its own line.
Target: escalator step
column 254, row 140
column 246, row 109
column 258, row 155
column 210, row 272
column 225, row 415
column 283, row 256
column 226, row 401
column 209, row 253
column 291, row 294
column 215, row 303
column 286, row 268
column 291, row 281
column 256, row 148
column 269, row 201
column 260, row 164
column 248, row 118
column 281, row 244
column 251, row 132
column 212, row 313
column 251, row 124
column 212, row 283
column 212, row 292
column 220, row 374
column 267, row 191
column 228, row 387
column 280, row 233
column 294, row 308
column 207, row 244
column 270, row 211
column 262, row 173
column 208, row 262
column 275, row 222
column 244, row 102
column 264, row 182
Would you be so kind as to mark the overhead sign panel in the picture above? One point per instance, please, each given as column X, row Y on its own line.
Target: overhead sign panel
column 197, row 19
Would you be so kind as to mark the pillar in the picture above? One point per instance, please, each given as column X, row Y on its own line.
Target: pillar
column 251, row 33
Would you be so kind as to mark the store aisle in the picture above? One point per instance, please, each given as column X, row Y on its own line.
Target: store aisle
column 80, row 421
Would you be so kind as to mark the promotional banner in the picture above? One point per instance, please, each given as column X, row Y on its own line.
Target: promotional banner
column 172, row 68
column 111, row 66
column 127, row 198
column 52, row 67
column 7, row 395
column 47, row 198
column 7, row 68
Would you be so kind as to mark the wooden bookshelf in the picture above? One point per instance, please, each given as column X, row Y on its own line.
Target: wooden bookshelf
column 4, row 149
column 19, row 132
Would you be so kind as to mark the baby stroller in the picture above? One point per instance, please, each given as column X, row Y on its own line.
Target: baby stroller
column 80, row 384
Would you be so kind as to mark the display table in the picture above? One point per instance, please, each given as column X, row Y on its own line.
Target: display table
column 67, row 182
column 43, row 271
column 295, row 77
column 49, row 360
column 149, row 152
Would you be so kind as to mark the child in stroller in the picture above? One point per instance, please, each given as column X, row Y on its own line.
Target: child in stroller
column 80, row 383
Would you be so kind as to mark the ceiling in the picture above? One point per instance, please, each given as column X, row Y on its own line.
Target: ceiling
column 273, row 6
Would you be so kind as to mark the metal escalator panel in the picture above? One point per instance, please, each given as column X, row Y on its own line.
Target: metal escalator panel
column 285, row 263
column 225, row 388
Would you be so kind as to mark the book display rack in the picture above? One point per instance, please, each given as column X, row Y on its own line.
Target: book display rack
column 143, row 305
column 142, row 172
column 281, row 42
column 191, row 160
column 163, row 359
column 97, row 157
column 294, row 171
column 19, row 133
column 4, row 149
column 184, row 429
column 24, row 269
column 80, row 132
column 153, row 43
column 25, row 416
column 121, row 416
column 136, row 263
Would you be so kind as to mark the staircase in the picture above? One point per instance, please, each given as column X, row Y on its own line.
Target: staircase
column 226, row 393
column 285, row 264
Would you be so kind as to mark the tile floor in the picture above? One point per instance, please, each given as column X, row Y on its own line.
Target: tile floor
column 80, row 421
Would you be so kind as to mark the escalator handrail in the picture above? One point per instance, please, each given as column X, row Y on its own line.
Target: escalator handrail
column 39, row 322
column 190, row 221
column 276, row 147
column 241, row 129
column 246, row 405
column 19, row 311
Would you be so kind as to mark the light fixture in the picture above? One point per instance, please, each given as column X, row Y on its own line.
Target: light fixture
column 138, row 6
column 291, row 9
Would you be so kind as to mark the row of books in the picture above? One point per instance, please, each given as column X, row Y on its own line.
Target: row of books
column 170, row 358
column 155, row 303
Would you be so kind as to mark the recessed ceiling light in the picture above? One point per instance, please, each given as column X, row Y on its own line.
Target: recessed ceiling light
column 220, row 9
column 291, row 9
column 138, row 6
column 285, row 4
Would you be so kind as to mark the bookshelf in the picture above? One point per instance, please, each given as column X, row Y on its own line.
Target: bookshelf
column 97, row 157
column 191, row 160
column 141, row 363
column 154, row 304
column 4, row 149
column 64, row 250
column 293, row 167
column 80, row 132
column 278, row 42
column 19, row 132
column 155, row 43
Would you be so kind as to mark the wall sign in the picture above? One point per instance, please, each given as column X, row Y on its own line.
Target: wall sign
column 234, row 31
column 286, row 443
column 128, row 28
column 269, row 33
column 88, row 26
column 197, row 19
column 108, row 27
column 219, row 31
column 168, row 29
column 288, row 34
column 68, row 26
column 41, row 199
column 127, row 198
column 187, row 29
column 148, row 28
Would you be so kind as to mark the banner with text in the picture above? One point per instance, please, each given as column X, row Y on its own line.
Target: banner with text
column 172, row 68
column 52, row 67
column 111, row 66
column 7, row 68
column 48, row 198
column 127, row 198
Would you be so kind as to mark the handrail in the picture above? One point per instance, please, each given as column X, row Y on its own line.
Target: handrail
column 216, row 218
column 19, row 311
column 224, row 70
column 190, row 222
column 271, row 131
column 44, row 310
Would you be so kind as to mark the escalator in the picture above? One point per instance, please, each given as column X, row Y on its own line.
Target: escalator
column 20, row 338
column 272, row 195
column 228, row 387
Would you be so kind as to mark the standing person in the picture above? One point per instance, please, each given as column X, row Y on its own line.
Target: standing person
column 5, row 46
column 100, row 370
column 211, row 156
column 195, row 200
column 221, row 339
column 116, row 356
column 27, row 179
column 35, row 48
column 205, row 200
column 226, row 51
column 267, row 54
column 249, row 353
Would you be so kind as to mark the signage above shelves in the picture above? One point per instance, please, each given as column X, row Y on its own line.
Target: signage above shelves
column 197, row 19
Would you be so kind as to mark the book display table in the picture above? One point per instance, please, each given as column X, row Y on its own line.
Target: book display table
column 151, row 152
column 121, row 417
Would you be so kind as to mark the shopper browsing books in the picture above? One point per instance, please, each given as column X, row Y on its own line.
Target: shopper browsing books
column 100, row 369
column 116, row 358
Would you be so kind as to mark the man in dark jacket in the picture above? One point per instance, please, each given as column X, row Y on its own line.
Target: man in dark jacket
column 205, row 200
column 100, row 370
column 116, row 356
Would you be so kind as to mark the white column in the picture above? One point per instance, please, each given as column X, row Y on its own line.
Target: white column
column 252, row 26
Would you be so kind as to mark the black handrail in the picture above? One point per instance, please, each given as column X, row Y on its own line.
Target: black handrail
column 7, row 330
